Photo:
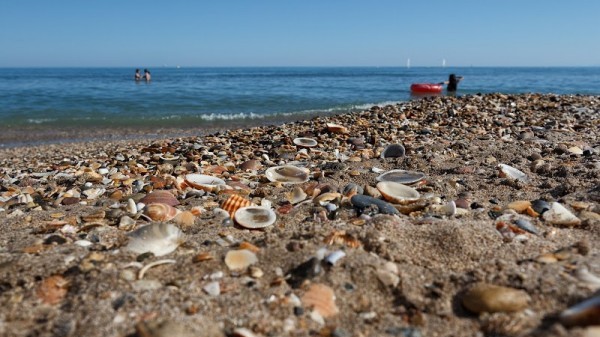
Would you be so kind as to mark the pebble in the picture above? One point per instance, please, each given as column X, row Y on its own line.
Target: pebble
column 363, row 201
column 483, row 297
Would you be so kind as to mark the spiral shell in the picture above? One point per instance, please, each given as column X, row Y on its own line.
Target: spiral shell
column 235, row 202
column 161, row 212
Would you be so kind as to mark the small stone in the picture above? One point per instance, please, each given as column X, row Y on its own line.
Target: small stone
column 483, row 297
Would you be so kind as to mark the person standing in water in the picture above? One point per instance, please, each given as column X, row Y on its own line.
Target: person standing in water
column 452, row 82
column 147, row 76
column 138, row 75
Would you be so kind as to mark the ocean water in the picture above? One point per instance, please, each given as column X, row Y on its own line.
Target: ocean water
column 197, row 97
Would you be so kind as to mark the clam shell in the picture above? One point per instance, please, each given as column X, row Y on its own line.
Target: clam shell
column 336, row 128
column 235, row 202
column 393, row 151
column 512, row 173
column 203, row 182
column 160, row 196
column 397, row 193
column 401, row 176
column 321, row 299
column 288, row 174
column 296, row 195
column 159, row 238
column 161, row 212
column 251, row 165
column 255, row 217
column 305, row 142
column 240, row 259
column 583, row 314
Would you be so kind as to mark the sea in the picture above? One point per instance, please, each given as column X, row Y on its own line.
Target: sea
column 204, row 97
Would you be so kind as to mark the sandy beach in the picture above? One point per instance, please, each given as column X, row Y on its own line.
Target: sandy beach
column 494, row 231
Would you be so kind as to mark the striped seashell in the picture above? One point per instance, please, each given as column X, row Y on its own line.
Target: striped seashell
column 234, row 202
column 161, row 197
column 161, row 212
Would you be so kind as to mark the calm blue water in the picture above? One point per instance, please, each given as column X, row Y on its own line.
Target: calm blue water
column 210, row 96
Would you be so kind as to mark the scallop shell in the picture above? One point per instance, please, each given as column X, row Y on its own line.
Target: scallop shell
column 336, row 128
column 204, row 182
column 159, row 238
column 393, row 151
column 512, row 173
column 240, row 259
column 255, row 217
column 287, row 174
column 321, row 299
column 402, row 176
column 397, row 193
column 160, row 196
column 234, row 202
column 305, row 142
column 161, row 212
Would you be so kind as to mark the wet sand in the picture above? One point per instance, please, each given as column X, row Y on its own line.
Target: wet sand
column 483, row 250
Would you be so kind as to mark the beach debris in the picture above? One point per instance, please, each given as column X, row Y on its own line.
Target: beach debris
column 159, row 238
column 397, row 193
column 147, row 267
column 484, row 297
column 240, row 259
column 402, row 176
column 334, row 257
column 255, row 217
column 559, row 215
column 321, row 299
column 393, row 151
column 288, row 174
column 512, row 173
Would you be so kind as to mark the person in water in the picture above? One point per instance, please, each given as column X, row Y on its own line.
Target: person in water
column 147, row 76
column 138, row 75
column 452, row 82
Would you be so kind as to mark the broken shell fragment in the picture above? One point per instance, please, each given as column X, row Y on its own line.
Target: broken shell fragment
column 305, row 142
column 512, row 173
column 321, row 299
column 483, row 297
column 235, row 202
column 159, row 238
column 203, row 182
column 402, row 176
column 397, row 193
column 251, row 165
column 559, row 215
column 161, row 212
column 287, row 174
column 160, row 196
column 255, row 217
column 336, row 128
column 240, row 259
column 296, row 195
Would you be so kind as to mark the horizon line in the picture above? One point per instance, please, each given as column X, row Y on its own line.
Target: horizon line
column 304, row 66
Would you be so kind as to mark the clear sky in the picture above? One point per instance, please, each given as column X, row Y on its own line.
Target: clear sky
column 299, row 33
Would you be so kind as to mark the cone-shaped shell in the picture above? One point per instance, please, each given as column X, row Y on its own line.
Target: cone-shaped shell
column 235, row 202
column 401, row 176
column 255, row 217
column 161, row 212
column 336, row 128
column 287, row 174
column 321, row 299
column 160, row 196
column 240, row 259
column 203, row 182
column 305, row 142
column 512, row 173
column 397, row 193
column 159, row 238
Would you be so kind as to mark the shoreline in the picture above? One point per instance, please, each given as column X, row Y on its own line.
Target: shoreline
column 378, row 268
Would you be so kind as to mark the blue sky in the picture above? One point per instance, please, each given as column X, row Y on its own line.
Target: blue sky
column 299, row 33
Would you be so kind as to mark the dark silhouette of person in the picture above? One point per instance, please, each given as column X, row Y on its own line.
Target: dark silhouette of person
column 147, row 76
column 452, row 82
column 138, row 75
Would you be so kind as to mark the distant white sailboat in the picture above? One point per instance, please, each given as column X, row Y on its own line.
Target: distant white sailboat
column 408, row 63
column 444, row 63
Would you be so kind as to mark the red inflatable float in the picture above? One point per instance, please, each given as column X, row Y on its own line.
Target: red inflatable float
column 426, row 88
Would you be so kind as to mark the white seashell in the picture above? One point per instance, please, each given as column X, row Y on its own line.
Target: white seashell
column 297, row 195
column 401, row 176
column 287, row 174
column 204, row 182
column 212, row 288
column 83, row 243
column 240, row 259
column 159, row 238
column 94, row 193
column 584, row 275
column 334, row 257
column 377, row 170
column 512, row 173
column 131, row 207
column 103, row 170
column 255, row 217
column 397, row 193
column 305, row 142
column 266, row 203
column 559, row 215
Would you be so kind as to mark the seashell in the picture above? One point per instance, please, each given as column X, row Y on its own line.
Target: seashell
column 159, row 238
column 336, row 128
column 240, row 259
column 591, row 280
column 185, row 219
column 526, row 225
column 321, row 299
column 483, row 297
column 296, row 195
column 203, row 182
column 93, row 193
column 540, row 206
column 235, row 202
column 288, row 174
column 161, row 212
column 393, row 151
column 512, row 173
column 334, row 257
column 251, row 165
column 131, row 207
column 397, row 193
column 352, row 189
column 255, row 217
column 363, row 202
column 325, row 198
column 402, row 176
column 52, row 289
column 160, row 196
column 559, row 215
column 583, row 314
column 519, row 206
column 305, row 142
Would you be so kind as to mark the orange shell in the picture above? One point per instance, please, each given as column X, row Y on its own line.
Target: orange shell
column 160, row 196
column 161, row 212
column 234, row 202
column 322, row 299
